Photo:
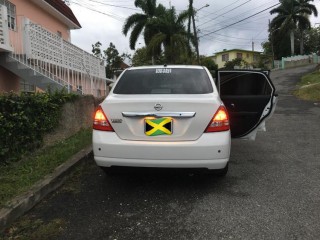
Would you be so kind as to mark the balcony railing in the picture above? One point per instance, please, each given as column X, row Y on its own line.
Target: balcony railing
column 49, row 54
column 45, row 46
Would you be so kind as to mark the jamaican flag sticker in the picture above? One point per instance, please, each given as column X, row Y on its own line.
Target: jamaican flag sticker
column 158, row 126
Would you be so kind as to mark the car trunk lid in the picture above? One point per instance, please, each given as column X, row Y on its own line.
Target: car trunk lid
column 145, row 117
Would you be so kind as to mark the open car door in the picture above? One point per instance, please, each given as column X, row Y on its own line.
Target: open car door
column 250, row 99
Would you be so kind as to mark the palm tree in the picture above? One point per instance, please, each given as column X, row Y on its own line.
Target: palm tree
column 291, row 15
column 143, row 22
column 172, row 36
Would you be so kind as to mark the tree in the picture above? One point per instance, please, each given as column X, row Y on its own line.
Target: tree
column 113, row 60
column 291, row 14
column 96, row 50
column 110, row 56
column 312, row 41
column 141, row 58
column 278, row 45
column 191, row 13
column 143, row 22
column 172, row 36
column 306, row 25
column 208, row 63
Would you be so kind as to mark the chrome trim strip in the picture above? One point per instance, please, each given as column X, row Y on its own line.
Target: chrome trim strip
column 159, row 114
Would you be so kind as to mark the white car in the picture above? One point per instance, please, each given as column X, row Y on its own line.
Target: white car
column 179, row 116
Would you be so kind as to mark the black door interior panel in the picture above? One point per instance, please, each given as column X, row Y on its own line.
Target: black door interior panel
column 245, row 95
column 245, row 112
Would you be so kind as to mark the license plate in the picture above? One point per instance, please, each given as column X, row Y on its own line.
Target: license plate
column 158, row 126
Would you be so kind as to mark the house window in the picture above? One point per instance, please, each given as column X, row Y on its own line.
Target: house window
column 59, row 33
column 239, row 55
column 255, row 57
column 11, row 10
column 225, row 57
column 248, row 55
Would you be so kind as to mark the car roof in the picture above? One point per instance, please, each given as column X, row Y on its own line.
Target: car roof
column 166, row 66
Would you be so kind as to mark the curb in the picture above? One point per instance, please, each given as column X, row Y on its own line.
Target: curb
column 24, row 202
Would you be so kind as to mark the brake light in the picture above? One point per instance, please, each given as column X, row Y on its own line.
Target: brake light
column 220, row 121
column 100, row 121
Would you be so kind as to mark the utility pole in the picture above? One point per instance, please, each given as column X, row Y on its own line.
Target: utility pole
column 195, row 36
column 271, row 41
column 196, row 40
column 189, row 21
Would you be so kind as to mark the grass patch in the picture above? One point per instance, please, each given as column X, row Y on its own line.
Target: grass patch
column 310, row 78
column 18, row 177
column 34, row 229
column 311, row 92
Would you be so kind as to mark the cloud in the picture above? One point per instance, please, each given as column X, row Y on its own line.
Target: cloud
column 107, row 28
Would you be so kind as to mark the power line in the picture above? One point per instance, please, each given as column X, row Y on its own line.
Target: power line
column 118, row 18
column 221, row 9
column 231, row 43
column 239, row 21
column 239, row 37
column 112, row 5
column 239, row 15
column 224, row 13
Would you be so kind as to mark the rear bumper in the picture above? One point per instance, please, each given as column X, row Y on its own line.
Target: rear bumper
column 211, row 150
column 210, row 164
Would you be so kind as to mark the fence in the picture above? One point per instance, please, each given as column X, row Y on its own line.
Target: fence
column 296, row 61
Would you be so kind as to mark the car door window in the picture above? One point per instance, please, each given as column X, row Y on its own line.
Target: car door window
column 235, row 83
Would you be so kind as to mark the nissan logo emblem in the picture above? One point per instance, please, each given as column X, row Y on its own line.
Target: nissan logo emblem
column 158, row 107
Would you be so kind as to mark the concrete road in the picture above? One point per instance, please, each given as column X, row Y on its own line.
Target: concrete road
column 272, row 190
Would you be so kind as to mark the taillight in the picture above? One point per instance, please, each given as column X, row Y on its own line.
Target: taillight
column 100, row 121
column 220, row 121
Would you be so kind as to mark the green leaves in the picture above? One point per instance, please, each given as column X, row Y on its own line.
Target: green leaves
column 25, row 118
column 292, row 15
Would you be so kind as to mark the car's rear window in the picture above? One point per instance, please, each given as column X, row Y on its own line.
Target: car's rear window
column 164, row 81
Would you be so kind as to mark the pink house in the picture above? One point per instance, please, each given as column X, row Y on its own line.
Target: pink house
column 36, row 52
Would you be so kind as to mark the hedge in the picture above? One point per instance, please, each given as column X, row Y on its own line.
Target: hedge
column 25, row 119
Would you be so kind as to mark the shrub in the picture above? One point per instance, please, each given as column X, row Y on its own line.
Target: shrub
column 25, row 118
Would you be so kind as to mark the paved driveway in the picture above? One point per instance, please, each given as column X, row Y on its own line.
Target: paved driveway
column 271, row 192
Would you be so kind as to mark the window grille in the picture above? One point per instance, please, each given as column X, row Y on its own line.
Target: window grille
column 239, row 55
column 225, row 57
column 11, row 9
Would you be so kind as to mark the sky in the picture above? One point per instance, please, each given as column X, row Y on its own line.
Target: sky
column 102, row 20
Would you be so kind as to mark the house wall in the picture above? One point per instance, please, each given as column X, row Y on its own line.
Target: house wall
column 28, row 9
column 246, row 56
column 8, row 81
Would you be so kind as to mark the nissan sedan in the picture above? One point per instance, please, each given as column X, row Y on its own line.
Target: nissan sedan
column 179, row 116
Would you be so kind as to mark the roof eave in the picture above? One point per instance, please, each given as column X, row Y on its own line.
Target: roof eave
column 234, row 50
column 46, row 6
